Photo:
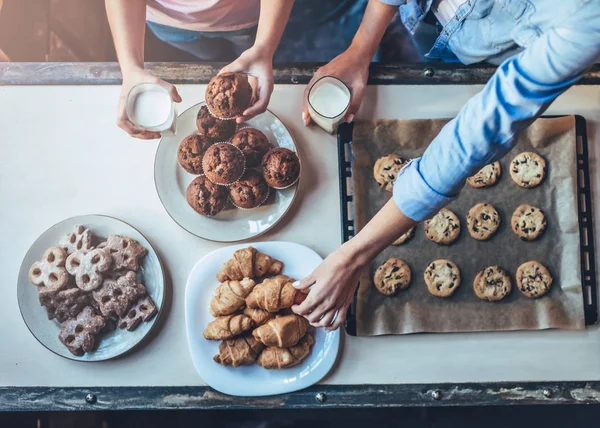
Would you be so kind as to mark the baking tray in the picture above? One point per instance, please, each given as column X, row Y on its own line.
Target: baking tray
column 584, row 207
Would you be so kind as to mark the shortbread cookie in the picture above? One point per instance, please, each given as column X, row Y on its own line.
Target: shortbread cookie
column 126, row 253
column 443, row 228
column 528, row 169
column 483, row 221
column 115, row 297
column 142, row 310
column 386, row 170
column 50, row 272
column 528, row 222
column 392, row 276
column 492, row 284
column 533, row 279
column 79, row 334
column 63, row 304
column 88, row 267
column 78, row 240
column 442, row 277
column 487, row 176
column 409, row 234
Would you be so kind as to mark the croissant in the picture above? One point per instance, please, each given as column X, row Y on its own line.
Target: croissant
column 283, row 331
column 240, row 351
column 281, row 358
column 249, row 263
column 275, row 294
column 228, row 326
column 229, row 296
column 258, row 316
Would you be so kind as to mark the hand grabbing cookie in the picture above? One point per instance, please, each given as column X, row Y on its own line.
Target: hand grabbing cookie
column 50, row 272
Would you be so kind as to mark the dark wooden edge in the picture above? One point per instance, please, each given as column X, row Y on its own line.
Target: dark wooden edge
column 107, row 73
column 334, row 396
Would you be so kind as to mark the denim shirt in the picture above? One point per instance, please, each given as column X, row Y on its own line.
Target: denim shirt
column 543, row 47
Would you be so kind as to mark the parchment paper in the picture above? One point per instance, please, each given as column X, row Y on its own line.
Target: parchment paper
column 414, row 310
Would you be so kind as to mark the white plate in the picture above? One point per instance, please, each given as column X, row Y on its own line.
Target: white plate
column 231, row 224
column 46, row 331
column 252, row 381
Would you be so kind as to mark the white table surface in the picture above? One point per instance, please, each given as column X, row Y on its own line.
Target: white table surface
column 61, row 155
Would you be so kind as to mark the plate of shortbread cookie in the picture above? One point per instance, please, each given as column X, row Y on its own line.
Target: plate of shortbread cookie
column 91, row 288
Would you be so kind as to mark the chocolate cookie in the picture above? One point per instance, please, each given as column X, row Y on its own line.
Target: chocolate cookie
column 115, row 297
column 528, row 222
column 281, row 168
column 386, row 170
column 443, row 228
column 79, row 334
column 409, row 234
column 392, row 276
column 528, row 169
column 442, row 277
column 533, row 279
column 253, row 144
column 250, row 191
column 492, row 284
column 223, row 163
column 486, row 176
column 78, row 240
column 212, row 128
column 206, row 197
column 483, row 221
column 142, row 310
column 191, row 151
column 228, row 95
column 126, row 253
column 63, row 304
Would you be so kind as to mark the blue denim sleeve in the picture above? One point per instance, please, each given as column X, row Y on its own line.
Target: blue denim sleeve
column 484, row 130
column 393, row 2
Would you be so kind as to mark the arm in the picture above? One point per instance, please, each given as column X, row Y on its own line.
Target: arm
column 352, row 66
column 258, row 60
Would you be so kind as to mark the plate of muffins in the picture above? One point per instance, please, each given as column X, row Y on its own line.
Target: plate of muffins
column 224, row 181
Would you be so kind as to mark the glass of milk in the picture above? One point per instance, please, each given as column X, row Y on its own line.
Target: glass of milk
column 150, row 106
column 328, row 102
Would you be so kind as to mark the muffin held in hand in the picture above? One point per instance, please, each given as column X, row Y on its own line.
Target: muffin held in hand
column 228, row 95
column 190, row 153
column 216, row 130
column 250, row 191
column 281, row 168
column 205, row 197
column 253, row 144
column 223, row 163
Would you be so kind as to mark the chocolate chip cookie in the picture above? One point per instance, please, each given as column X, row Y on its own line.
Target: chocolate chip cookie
column 443, row 228
column 487, row 176
column 528, row 222
column 386, row 170
column 442, row 277
column 492, row 284
column 483, row 221
column 392, row 276
column 528, row 169
column 533, row 279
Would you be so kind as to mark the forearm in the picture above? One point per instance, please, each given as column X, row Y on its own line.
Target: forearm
column 274, row 15
column 127, row 19
column 372, row 28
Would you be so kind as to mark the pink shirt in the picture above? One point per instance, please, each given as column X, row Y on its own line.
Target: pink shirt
column 204, row 15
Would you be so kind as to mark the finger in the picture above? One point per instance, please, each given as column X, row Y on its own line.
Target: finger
column 325, row 321
column 172, row 91
column 339, row 319
column 305, row 283
column 318, row 312
column 308, row 306
column 358, row 92
column 231, row 68
column 136, row 131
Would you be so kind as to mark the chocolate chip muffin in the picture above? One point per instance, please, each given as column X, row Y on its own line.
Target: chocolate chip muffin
column 205, row 197
column 191, row 151
column 223, row 163
column 281, row 168
column 212, row 128
column 253, row 144
column 250, row 191
column 228, row 95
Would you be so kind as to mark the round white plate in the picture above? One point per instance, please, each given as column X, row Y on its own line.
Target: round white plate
column 252, row 381
column 46, row 331
column 231, row 224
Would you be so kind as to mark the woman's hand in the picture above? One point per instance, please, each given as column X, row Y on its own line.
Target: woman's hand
column 131, row 79
column 258, row 64
column 352, row 68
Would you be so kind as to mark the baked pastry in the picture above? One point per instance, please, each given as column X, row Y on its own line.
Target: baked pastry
column 486, row 176
column 249, row 263
column 258, row 316
column 79, row 239
column 206, row 197
column 283, row 331
column 274, row 294
column 213, row 128
column 230, row 296
column 281, row 167
column 223, row 163
column 409, row 234
column 141, row 311
column 533, row 279
column 253, row 144
column 63, row 304
column 239, row 351
column 228, row 95
column 392, row 276
column 386, row 170
column 126, row 253
column 443, row 228
column 483, row 221
column 115, row 297
column 50, row 272
column 227, row 327
column 191, row 151
column 528, row 222
column 281, row 358
column 79, row 334
column 528, row 169
column 250, row 191
column 442, row 277
column 492, row 284
column 88, row 267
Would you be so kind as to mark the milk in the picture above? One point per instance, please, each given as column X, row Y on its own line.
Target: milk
column 328, row 102
column 150, row 107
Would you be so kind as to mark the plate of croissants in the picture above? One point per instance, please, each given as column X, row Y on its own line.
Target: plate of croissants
column 243, row 337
